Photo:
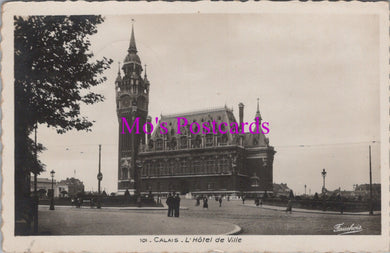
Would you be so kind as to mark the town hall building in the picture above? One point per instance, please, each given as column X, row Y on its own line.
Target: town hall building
column 200, row 164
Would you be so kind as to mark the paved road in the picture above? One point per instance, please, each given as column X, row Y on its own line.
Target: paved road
column 66, row 220
column 271, row 222
column 196, row 220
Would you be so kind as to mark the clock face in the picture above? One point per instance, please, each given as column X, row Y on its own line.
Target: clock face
column 125, row 102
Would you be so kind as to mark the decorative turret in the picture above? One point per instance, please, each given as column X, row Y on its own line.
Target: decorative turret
column 146, row 82
column 119, row 77
column 132, row 46
column 132, row 62
column 258, row 115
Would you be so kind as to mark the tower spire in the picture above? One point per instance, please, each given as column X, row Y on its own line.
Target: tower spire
column 132, row 46
column 118, row 78
column 258, row 115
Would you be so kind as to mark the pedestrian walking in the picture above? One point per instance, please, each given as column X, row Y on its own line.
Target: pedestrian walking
column 243, row 200
column 220, row 201
column 205, row 204
column 176, row 205
column 261, row 202
column 342, row 206
column 170, row 205
column 197, row 201
column 289, row 206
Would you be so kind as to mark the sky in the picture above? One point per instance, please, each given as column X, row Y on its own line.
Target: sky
column 317, row 78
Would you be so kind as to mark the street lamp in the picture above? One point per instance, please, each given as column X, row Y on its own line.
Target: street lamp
column 99, row 175
column 305, row 189
column 36, row 197
column 138, row 168
column 323, row 173
column 52, row 190
column 371, row 206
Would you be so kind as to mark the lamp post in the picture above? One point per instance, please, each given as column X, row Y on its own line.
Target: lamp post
column 138, row 168
column 99, row 178
column 305, row 189
column 36, row 197
column 371, row 206
column 323, row 173
column 99, row 175
column 52, row 190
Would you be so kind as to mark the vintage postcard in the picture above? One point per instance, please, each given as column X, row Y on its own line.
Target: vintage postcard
column 195, row 127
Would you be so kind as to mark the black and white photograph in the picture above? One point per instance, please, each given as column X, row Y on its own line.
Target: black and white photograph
column 195, row 128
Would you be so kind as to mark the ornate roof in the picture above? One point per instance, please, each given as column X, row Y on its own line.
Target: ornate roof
column 132, row 56
column 219, row 115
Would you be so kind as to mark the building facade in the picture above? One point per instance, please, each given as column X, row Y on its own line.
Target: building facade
column 74, row 186
column 44, row 186
column 201, row 164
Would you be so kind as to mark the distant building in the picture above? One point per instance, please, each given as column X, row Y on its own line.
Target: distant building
column 64, row 188
column 281, row 190
column 364, row 190
column 74, row 186
column 44, row 187
column 361, row 191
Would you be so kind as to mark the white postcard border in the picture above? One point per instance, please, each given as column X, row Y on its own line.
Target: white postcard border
column 132, row 243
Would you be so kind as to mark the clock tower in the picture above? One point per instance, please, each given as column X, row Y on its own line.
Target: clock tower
column 132, row 100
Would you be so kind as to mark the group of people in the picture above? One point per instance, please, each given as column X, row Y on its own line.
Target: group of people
column 205, row 202
column 173, row 202
column 259, row 202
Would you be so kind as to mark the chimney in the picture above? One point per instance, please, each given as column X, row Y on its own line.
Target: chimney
column 241, row 113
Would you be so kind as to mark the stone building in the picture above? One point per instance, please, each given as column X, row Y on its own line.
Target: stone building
column 73, row 185
column 44, row 186
column 201, row 164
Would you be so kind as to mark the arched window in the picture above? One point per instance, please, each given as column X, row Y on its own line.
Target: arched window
column 209, row 140
column 141, row 102
column 124, row 173
column 183, row 166
column 196, row 164
column 224, row 139
column 159, row 144
column 197, row 142
column 183, row 142
column 151, row 144
column 173, row 143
